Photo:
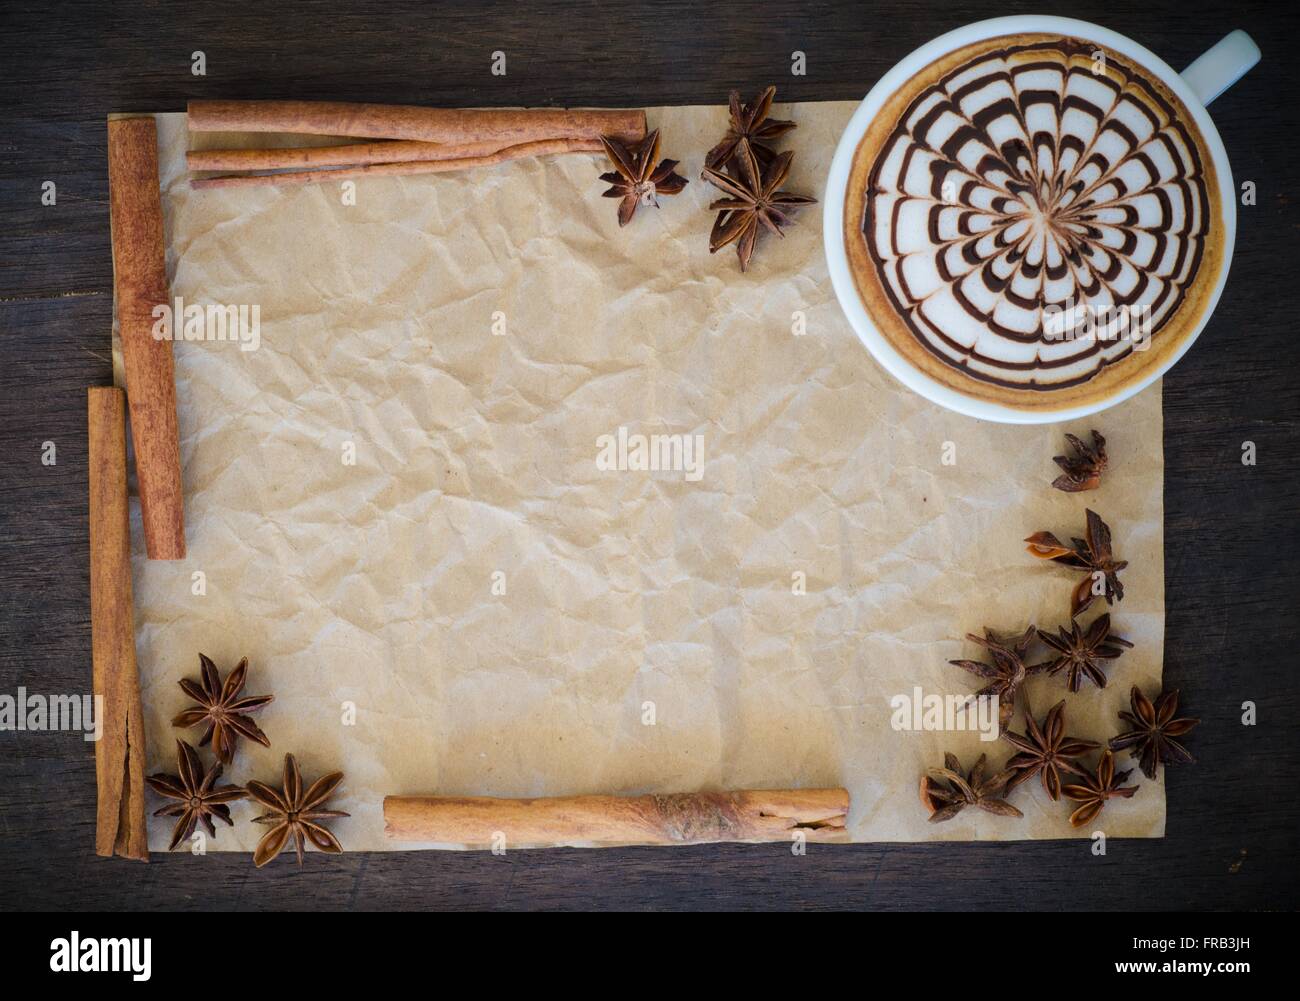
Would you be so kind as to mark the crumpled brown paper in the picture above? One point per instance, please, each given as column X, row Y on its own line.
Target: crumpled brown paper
column 475, row 607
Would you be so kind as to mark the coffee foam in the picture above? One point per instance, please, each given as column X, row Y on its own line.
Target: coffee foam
column 1020, row 182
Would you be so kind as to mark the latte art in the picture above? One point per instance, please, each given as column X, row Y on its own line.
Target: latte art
column 1024, row 183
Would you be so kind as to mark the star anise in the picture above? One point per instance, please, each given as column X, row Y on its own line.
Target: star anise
column 1083, row 469
column 1097, row 788
column 1080, row 652
column 1045, row 750
column 198, row 797
column 636, row 179
column 1153, row 729
column 294, row 813
column 750, row 126
column 1092, row 555
column 754, row 200
column 222, row 709
column 1007, row 672
column 945, row 793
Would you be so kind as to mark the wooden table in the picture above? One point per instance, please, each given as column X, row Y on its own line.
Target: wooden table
column 1231, row 529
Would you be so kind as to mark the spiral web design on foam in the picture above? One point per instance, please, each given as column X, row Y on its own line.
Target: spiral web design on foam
column 1022, row 181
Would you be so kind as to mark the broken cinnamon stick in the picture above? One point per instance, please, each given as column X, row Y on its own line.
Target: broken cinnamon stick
column 140, row 284
column 508, row 126
column 674, row 819
column 543, row 147
column 119, row 752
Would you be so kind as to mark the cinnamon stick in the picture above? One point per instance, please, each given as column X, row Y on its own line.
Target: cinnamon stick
column 140, row 284
column 543, row 147
column 508, row 126
column 350, row 155
column 119, row 752
column 674, row 819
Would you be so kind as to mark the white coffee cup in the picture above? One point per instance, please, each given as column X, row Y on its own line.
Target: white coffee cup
column 1204, row 80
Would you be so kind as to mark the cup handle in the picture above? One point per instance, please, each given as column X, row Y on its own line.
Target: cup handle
column 1218, row 68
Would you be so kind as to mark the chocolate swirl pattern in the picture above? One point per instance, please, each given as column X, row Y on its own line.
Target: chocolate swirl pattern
column 1022, row 182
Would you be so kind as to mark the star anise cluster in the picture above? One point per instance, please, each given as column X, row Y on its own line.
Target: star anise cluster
column 222, row 709
column 750, row 173
column 1153, row 731
column 1092, row 555
column 1080, row 653
column 754, row 202
column 197, row 798
column 1005, row 674
column 639, row 177
column 1083, row 469
column 1046, row 751
column 1098, row 788
column 295, row 813
column 945, row 791
column 749, row 126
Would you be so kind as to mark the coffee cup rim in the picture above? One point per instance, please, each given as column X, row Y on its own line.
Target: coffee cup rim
column 888, row 356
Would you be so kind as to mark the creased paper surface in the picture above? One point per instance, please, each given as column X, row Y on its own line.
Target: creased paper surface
column 395, row 510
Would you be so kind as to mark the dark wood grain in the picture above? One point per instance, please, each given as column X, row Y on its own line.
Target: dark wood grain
column 1232, row 531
